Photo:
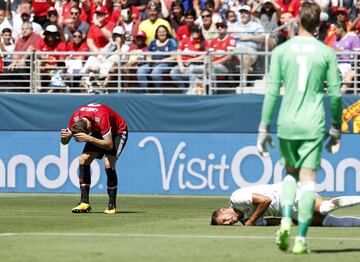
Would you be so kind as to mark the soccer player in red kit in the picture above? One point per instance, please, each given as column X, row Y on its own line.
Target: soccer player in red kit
column 104, row 133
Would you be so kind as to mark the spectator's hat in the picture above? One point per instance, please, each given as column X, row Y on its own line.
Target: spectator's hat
column 341, row 10
column 101, row 10
column 52, row 10
column 267, row 1
column 51, row 29
column 154, row 6
column 245, row 8
column 140, row 34
column 118, row 30
column 221, row 23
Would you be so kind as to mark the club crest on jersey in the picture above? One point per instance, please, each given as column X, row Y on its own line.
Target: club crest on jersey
column 352, row 112
column 97, row 119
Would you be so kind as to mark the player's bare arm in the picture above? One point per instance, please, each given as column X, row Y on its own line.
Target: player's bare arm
column 65, row 136
column 105, row 143
column 262, row 203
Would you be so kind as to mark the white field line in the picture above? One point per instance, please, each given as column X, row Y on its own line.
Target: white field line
column 163, row 236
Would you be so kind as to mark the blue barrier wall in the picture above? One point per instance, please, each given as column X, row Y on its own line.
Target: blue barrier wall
column 177, row 145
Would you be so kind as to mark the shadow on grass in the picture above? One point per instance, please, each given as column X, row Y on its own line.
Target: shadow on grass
column 118, row 212
column 345, row 250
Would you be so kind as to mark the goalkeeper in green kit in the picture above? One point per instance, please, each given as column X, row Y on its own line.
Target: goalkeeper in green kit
column 302, row 64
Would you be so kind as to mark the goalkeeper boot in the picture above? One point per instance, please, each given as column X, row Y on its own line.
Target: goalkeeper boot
column 300, row 247
column 82, row 208
column 283, row 236
column 110, row 210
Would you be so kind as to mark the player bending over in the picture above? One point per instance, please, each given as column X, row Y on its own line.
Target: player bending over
column 104, row 133
column 260, row 206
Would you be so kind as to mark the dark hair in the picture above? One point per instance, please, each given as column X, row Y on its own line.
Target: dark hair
column 6, row 30
column 210, row 3
column 177, row 3
column 310, row 16
column 341, row 24
column 168, row 34
column 190, row 12
column 214, row 216
column 78, row 31
column 79, row 127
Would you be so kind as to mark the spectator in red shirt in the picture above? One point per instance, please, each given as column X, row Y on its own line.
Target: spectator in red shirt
column 222, row 64
column 75, row 61
column 17, row 74
column 74, row 23
column 190, row 67
column 66, row 11
column 50, row 62
column 122, row 11
column 184, row 30
column 177, row 16
column 53, row 19
column 341, row 14
column 100, row 31
column 40, row 8
column 104, row 133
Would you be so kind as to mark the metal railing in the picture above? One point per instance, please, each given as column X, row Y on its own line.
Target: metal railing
column 87, row 72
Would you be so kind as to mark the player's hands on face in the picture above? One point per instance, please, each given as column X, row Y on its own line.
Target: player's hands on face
column 264, row 138
column 82, row 137
column 334, row 140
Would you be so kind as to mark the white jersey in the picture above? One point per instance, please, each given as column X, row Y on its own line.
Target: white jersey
column 241, row 199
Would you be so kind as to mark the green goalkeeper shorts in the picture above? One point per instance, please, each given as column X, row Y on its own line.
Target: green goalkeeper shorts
column 301, row 153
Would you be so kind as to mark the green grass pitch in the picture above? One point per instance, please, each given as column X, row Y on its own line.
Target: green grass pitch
column 41, row 227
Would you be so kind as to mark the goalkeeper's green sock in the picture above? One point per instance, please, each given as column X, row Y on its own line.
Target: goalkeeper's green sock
column 306, row 207
column 287, row 196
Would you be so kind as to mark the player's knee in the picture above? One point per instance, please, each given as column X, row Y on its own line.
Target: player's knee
column 85, row 159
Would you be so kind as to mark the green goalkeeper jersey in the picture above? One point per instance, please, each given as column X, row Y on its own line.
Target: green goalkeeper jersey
column 302, row 64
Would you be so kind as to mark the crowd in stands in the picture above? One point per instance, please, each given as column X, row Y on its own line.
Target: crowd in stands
column 136, row 26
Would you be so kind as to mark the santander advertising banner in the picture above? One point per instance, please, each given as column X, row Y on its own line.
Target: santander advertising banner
column 165, row 163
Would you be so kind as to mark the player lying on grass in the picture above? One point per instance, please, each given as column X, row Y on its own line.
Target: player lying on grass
column 260, row 206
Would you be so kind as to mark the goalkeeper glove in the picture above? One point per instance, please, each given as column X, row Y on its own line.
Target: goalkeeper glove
column 264, row 138
column 334, row 135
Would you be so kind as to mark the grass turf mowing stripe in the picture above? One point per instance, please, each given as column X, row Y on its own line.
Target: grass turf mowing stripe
column 165, row 236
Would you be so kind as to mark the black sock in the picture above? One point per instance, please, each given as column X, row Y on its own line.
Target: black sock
column 84, row 181
column 112, row 182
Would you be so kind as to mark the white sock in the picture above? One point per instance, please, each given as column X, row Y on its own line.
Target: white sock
column 328, row 206
column 333, row 221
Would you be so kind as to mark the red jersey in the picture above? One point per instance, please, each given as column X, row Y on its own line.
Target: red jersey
column 82, row 48
column 188, row 45
column 41, row 7
column 66, row 12
column 59, row 47
column 182, row 33
column 226, row 44
column 103, row 119
column 293, row 7
column 117, row 13
column 98, row 36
